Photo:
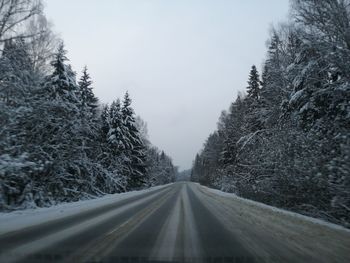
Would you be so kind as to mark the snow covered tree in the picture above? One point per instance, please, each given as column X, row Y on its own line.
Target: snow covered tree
column 196, row 169
column 14, row 14
column 105, row 120
column 160, row 167
column 253, row 118
column 319, row 103
column 135, row 151
column 16, row 75
column 61, row 84
column 297, row 157
column 117, row 134
column 57, row 144
column 55, row 129
column 111, row 148
column 234, row 130
column 272, row 91
column 17, row 81
column 87, row 98
column 253, row 88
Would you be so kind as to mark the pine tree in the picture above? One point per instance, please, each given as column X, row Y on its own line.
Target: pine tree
column 17, row 81
column 160, row 167
column 255, row 116
column 61, row 132
column 274, row 83
column 61, row 83
column 16, row 72
column 253, row 88
column 298, row 158
column 117, row 134
column 54, row 145
column 87, row 97
column 135, row 151
column 234, row 130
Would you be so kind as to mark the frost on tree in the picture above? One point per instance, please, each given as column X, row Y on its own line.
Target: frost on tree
column 88, row 100
column 288, row 142
column 57, row 143
column 135, row 149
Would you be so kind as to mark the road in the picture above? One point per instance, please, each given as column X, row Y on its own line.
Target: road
column 181, row 222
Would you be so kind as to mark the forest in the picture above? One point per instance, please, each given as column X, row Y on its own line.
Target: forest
column 58, row 143
column 286, row 140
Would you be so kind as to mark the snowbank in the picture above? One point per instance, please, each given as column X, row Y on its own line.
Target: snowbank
column 276, row 210
column 25, row 218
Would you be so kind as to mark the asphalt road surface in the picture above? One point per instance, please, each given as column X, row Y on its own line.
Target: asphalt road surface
column 182, row 222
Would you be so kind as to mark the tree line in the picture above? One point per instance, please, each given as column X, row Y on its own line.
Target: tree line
column 58, row 143
column 286, row 140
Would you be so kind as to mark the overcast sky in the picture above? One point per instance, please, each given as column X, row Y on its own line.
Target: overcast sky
column 183, row 61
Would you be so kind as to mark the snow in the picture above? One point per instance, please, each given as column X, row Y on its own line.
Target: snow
column 296, row 96
column 22, row 219
column 277, row 211
column 244, row 140
column 275, row 234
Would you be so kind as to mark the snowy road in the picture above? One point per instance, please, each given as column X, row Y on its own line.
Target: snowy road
column 176, row 223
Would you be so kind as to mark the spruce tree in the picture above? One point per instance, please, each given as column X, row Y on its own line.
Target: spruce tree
column 17, row 81
column 63, row 131
column 16, row 72
column 116, row 135
column 135, row 151
column 104, row 120
column 87, row 97
column 61, row 83
column 253, row 88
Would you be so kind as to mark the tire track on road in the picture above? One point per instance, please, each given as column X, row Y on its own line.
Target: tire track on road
column 140, row 241
column 217, row 242
column 58, row 245
column 14, row 239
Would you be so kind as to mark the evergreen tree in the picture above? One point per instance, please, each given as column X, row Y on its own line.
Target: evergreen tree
column 17, row 82
column 253, row 88
column 60, row 132
column 61, row 83
column 298, row 157
column 105, row 121
column 56, row 143
column 234, row 130
column 135, row 151
column 274, row 83
column 16, row 72
column 253, row 117
column 160, row 168
column 117, row 134
column 87, row 97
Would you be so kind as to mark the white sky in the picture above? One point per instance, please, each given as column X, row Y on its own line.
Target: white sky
column 182, row 61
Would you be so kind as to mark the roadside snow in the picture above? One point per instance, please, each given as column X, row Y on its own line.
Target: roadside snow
column 276, row 235
column 17, row 220
column 278, row 210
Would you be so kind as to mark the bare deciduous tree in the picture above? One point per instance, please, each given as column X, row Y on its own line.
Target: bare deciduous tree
column 328, row 18
column 42, row 43
column 13, row 14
